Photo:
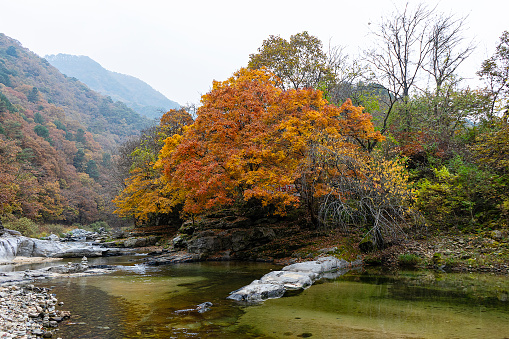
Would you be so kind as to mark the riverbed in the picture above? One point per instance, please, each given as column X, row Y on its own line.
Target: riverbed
column 138, row 301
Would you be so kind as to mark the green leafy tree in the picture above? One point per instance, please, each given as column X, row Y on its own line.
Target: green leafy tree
column 33, row 96
column 92, row 170
column 79, row 160
column 299, row 62
column 38, row 118
column 41, row 131
column 495, row 71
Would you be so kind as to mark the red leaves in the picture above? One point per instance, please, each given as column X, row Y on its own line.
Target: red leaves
column 251, row 138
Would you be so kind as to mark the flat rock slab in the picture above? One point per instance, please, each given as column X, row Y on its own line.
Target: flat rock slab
column 258, row 291
column 173, row 258
column 73, row 270
column 290, row 280
column 307, row 266
column 296, row 276
column 318, row 266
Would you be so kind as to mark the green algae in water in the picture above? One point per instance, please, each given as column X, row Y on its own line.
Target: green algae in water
column 373, row 307
column 357, row 305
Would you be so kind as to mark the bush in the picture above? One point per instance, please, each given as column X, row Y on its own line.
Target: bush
column 461, row 196
column 25, row 226
column 409, row 260
column 57, row 229
column 96, row 226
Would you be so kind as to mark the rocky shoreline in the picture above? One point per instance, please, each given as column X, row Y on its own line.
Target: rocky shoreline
column 29, row 312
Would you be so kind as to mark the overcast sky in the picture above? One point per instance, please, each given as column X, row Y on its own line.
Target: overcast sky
column 179, row 47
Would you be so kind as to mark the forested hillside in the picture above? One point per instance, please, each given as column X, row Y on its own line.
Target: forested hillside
column 56, row 141
column 135, row 93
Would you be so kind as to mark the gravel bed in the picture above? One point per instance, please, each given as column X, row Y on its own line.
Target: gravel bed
column 29, row 312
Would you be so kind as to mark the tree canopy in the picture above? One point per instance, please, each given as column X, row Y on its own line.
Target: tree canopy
column 253, row 140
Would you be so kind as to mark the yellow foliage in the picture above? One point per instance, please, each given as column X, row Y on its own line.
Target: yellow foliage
column 251, row 138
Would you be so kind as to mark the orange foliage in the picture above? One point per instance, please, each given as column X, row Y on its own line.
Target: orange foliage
column 146, row 192
column 251, row 138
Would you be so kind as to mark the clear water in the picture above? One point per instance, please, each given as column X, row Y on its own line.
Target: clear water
column 144, row 302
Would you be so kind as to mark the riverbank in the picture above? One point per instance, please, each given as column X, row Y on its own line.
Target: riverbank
column 29, row 312
column 487, row 252
column 454, row 252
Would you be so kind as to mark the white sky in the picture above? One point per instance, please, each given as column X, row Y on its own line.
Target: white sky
column 179, row 47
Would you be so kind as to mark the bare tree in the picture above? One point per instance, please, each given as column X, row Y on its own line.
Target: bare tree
column 366, row 191
column 403, row 46
column 446, row 50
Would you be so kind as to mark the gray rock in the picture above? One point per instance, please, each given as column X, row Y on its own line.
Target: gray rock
column 79, row 252
column 11, row 232
column 11, row 246
column 204, row 245
column 140, row 242
column 53, row 237
column 204, row 307
column 68, row 269
column 332, row 263
column 179, row 242
column 173, row 258
column 289, row 279
column 258, row 291
column 307, row 266
column 295, row 276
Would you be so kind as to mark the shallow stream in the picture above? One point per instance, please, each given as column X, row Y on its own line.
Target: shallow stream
column 147, row 302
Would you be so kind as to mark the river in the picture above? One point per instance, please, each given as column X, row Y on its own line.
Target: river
column 140, row 301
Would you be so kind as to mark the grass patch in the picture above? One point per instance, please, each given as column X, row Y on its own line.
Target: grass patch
column 409, row 260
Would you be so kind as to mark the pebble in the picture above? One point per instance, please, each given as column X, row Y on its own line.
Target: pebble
column 25, row 310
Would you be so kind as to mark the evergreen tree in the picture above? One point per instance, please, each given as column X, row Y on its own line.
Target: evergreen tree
column 33, row 96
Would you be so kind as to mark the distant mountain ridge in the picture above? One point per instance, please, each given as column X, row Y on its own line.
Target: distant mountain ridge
column 58, row 142
column 134, row 92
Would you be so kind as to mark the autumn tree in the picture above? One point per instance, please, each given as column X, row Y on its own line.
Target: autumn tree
column 298, row 63
column 253, row 140
column 143, row 194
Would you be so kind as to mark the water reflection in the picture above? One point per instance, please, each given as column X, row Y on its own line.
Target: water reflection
column 144, row 302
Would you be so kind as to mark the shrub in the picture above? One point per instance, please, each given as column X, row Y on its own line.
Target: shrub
column 25, row 226
column 409, row 260
column 57, row 229
column 96, row 226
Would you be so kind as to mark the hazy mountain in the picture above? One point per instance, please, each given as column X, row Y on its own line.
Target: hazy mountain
column 57, row 141
column 132, row 91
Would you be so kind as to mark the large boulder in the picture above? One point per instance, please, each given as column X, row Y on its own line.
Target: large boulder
column 12, row 246
column 140, row 242
column 296, row 276
column 289, row 280
column 204, row 245
column 258, row 291
column 209, row 242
